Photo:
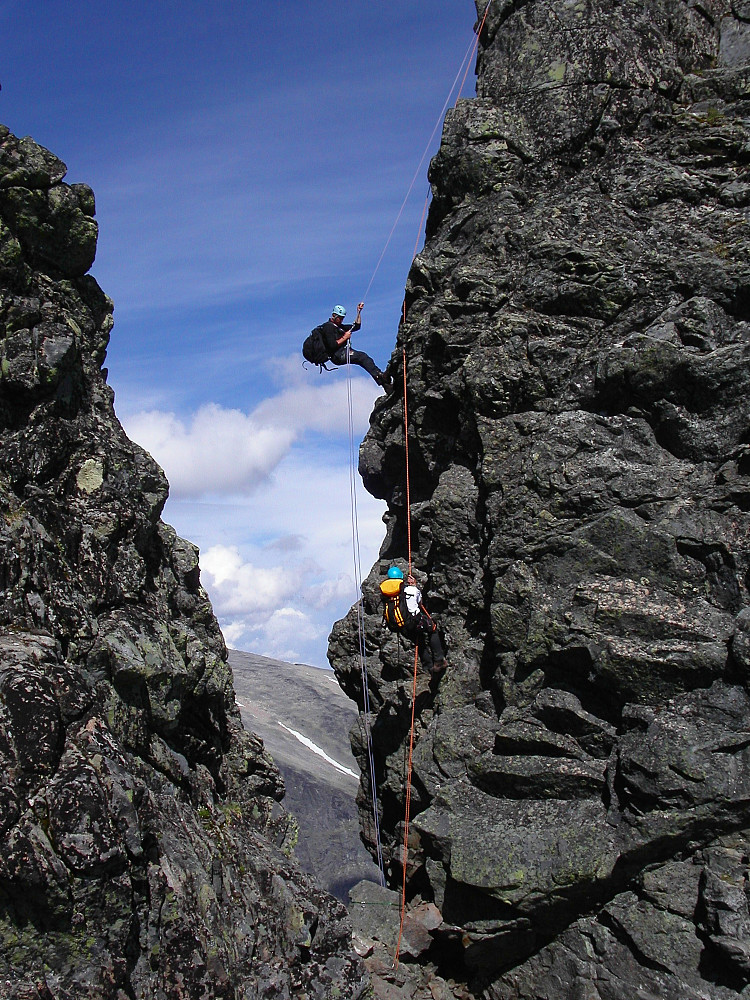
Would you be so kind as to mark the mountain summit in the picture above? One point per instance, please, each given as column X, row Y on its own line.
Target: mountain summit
column 577, row 336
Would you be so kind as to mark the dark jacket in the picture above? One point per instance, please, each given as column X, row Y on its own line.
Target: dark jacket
column 333, row 333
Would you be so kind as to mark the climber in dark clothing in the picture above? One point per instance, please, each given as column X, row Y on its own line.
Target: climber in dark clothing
column 336, row 337
column 404, row 612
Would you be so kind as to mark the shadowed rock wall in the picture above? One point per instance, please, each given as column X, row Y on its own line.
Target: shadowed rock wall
column 143, row 852
column 578, row 343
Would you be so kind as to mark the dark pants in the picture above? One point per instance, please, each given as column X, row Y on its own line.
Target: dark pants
column 357, row 358
column 423, row 631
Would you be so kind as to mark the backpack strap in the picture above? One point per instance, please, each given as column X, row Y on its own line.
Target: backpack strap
column 321, row 368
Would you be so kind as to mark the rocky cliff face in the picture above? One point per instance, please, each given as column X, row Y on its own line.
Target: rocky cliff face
column 578, row 343
column 143, row 852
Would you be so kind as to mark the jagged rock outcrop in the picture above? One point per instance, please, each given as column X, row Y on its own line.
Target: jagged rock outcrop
column 143, row 852
column 578, row 340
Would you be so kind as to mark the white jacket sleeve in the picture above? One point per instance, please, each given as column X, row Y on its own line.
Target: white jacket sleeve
column 413, row 596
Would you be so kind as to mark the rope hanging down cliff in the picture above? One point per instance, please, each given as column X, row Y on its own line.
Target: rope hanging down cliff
column 407, row 805
column 464, row 67
column 405, row 853
column 361, row 624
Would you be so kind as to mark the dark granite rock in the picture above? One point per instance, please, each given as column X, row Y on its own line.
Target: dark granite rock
column 143, row 850
column 577, row 335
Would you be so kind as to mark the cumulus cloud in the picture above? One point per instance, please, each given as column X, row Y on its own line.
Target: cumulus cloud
column 266, row 497
column 254, row 603
column 321, row 408
column 286, row 543
column 285, row 635
column 244, row 588
column 279, row 603
column 234, row 633
column 333, row 591
column 226, row 451
column 215, row 451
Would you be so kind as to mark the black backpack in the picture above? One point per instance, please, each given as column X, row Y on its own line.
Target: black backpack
column 314, row 348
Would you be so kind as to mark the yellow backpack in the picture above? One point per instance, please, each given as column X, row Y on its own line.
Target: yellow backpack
column 395, row 612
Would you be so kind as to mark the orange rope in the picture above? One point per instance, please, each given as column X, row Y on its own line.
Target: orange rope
column 414, row 685
column 407, row 815
column 476, row 45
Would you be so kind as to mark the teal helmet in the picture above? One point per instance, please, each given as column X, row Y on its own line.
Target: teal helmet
column 394, row 573
column 339, row 311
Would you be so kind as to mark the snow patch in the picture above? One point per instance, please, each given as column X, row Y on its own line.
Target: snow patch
column 317, row 750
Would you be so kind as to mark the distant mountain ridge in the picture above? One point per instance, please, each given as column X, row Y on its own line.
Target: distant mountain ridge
column 278, row 700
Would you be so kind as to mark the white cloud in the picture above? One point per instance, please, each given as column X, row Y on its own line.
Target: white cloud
column 234, row 633
column 243, row 587
column 272, row 607
column 272, row 598
column 321, row 408
column 266, row 497
column 255, row 603
column 285, row 635
column 219, row 451
column 335, row 590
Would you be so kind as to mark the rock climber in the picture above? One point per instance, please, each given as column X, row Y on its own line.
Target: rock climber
column 404, row 613
column 336, row 337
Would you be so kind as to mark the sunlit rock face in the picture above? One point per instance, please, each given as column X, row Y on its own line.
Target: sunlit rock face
column 577, row 336
column 143, row 852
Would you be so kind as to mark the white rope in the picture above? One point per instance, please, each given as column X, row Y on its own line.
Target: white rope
column 356, row 555
column 469, row 51
column 353, row 466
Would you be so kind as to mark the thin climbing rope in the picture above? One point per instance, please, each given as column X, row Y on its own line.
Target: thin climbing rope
column 407, row 809
column 405, row 855
column 406, row 456
column 476, row 41
column 356, row 556
column 406, row 410
column 407, row 815
column 463, row 68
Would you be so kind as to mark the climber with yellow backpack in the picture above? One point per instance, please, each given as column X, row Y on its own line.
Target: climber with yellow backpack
column 405, row 614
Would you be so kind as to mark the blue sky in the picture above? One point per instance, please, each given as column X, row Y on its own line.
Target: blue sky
column 248, row 161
